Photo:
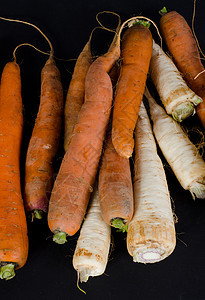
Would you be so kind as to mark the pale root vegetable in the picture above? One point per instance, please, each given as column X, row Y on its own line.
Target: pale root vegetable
column 91, row 253
column 181, row 154
column 178, row 99
column 151, row 233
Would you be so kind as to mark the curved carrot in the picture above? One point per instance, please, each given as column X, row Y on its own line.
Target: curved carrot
column 136, row 55
column 76, row 92
column 77, row 173
column 44, row 141
column 183, row 47
column 115, row 187
column 45, row 137
column 13, row 227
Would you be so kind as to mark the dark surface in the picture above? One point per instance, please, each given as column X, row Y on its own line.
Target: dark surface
column 49, row 273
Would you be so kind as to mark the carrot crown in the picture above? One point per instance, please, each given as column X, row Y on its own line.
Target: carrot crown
column 163, row 11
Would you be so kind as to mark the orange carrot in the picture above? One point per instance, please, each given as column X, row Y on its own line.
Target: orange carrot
column 44, row 141
column 43, row 144
column 77, row 173
column 74, row 182
column 13, row 227
column 136, row 55
column 115, row 188
column 183, row 47
column 76, row 92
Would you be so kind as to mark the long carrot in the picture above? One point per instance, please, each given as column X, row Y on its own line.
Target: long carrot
column 115, row 187
column 43, row 144
column 73, row 185
column 136, row 55
column 44, row 141
column 183, row 47
column 76, row 92
column 13, row 227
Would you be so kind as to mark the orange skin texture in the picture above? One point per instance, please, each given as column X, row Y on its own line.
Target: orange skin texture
column 76, row 177
column 76, row 93
column 183, row 48
column 136, row 55
column 115, row 185
column 13, row 226
column 44, row 141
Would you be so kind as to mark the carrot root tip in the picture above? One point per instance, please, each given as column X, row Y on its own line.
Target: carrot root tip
column 119, row 224
column 59, row 237
column 7, row 271
column 37, row 214
column 183, row 111
column 198, row 190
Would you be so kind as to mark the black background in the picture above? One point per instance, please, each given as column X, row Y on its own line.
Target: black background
column 48, row 273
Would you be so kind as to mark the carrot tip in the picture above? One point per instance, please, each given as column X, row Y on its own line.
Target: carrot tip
column 7, row 271
column 59, row 237
column 119, row 224
column 198, row 190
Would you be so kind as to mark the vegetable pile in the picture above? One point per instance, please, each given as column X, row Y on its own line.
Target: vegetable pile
column 106, row 127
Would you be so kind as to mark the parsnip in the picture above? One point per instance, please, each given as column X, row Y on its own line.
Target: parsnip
column 177, row 98
column 151, row 233
column 179, row 151
column 91, row 253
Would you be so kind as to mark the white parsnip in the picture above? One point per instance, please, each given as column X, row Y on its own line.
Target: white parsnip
column 180, row 153
column 178, row 99
column 92, row 249
column 151, row 233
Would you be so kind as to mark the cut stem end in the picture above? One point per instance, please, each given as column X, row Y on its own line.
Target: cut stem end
column 119, row 224
column 59, row 237
column 183, row 111
column 7, row 271
column 150, row 255
column 37, row 214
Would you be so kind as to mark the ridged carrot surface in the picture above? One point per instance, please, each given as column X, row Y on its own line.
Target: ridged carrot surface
column 44, row 141
column 13, row 227
column 136, row 55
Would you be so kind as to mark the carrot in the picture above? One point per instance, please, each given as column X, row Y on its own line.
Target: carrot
column 44, row 141
column 43, row 144
column 73, row 185
column 92, row 249
column 136, row 55
column 180, row 153
column 178, row 99
column 151, row 233
column 13, row 226
column 76, row 91
column 183, row 48
column 115, row 187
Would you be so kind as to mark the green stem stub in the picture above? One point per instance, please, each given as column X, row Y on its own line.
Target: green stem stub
column 7, row 271
column 142, row 22
column 163, row 11
column 119, row 224
column 37, row 214
column 59, row 237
